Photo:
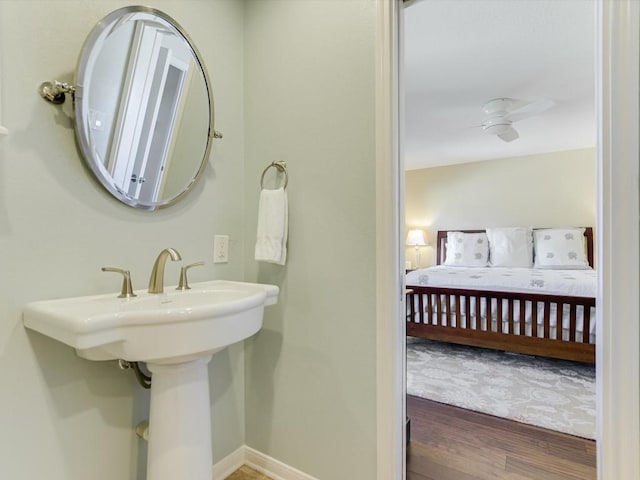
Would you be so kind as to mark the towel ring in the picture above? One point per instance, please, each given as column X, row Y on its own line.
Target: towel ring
column 281, row 166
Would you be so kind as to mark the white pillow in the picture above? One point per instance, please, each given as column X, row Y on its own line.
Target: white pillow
column 467, row 249
column 560, row 248
column 510, row 247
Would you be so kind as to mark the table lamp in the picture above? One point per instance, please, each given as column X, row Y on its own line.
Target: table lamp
column 415, row 238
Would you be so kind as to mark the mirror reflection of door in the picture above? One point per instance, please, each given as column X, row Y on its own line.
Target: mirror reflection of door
column 159, row 68
column 151, row 159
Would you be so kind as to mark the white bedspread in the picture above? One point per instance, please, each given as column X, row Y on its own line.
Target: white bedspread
column 576, row 283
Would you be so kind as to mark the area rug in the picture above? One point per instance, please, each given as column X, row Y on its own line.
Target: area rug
column 553, row 394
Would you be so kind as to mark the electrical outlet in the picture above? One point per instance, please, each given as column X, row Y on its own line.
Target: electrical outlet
column 220, row 248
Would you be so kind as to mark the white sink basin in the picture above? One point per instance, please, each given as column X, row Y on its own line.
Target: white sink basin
column 175, row 333
column 171, row 327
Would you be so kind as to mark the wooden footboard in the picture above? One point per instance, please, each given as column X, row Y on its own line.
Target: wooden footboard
column 534, row 324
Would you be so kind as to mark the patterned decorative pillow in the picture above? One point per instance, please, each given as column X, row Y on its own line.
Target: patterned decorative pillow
column 560, row 248
column 467, row 249
column 510, row 247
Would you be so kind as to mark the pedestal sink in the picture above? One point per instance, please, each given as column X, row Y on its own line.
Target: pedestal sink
column 176, row 333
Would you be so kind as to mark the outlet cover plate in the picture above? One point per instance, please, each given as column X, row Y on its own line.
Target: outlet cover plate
column 220, row 248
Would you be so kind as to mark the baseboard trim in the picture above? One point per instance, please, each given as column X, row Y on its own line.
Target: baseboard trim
column 273, row 468
column 258, row 461
column 229, row 464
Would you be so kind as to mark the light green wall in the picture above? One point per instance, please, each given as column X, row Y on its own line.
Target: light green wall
column 293, row 80
column 310, row 101
column 62, row 417
column 545, row 190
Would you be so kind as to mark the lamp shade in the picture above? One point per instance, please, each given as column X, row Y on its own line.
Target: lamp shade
column 415, row 238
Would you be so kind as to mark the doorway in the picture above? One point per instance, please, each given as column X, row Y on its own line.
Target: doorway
column 499, row 131
column 618, row 389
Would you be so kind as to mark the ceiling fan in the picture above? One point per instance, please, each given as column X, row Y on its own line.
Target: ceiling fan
column 502, row 112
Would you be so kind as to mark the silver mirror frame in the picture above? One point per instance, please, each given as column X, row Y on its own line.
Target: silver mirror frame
column 102, row 28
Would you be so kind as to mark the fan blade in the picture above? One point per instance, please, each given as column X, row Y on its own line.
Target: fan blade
column 530, row 109
column 509, row 135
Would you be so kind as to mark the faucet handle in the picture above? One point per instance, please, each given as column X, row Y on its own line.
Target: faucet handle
column 183, row 284
column 127, row 289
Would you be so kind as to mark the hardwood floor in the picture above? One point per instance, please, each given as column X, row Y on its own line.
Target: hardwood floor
column 450, row 443
column 246, row 473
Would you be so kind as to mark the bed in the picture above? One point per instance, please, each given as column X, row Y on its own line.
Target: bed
column 536, row 310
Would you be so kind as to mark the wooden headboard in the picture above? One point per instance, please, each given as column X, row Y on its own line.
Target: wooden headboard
column 441, row 245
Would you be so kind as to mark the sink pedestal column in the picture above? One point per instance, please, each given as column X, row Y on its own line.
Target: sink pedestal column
column 180, row 422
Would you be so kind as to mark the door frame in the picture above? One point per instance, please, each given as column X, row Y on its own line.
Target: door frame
column 617, row 232
column 618, row 257
column 390, row 332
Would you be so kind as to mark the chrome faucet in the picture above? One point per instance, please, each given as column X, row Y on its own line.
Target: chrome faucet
column 156, row 281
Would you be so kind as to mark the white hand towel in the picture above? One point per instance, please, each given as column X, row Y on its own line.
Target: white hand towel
column 273, row 223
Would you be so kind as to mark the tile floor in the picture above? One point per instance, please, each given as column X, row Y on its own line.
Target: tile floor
column 246, row 473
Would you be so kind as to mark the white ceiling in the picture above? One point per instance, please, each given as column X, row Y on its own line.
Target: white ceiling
column 459, row 54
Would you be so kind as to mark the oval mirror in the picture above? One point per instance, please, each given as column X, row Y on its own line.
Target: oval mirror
column 144, row 108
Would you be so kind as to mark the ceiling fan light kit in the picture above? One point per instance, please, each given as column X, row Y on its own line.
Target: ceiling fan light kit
column 496, row 125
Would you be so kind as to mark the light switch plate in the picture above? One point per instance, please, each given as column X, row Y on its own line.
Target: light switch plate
column 220, row 248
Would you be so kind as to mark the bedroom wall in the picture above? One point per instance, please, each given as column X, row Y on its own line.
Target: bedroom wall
column 310, row 372
column 552, row 189
column 62, row 417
